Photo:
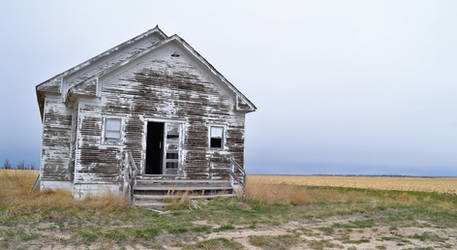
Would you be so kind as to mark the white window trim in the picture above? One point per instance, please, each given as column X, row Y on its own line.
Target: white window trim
column 224, row 129
column 112, row 142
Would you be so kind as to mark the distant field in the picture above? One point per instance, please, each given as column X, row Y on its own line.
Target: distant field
column 440, row 185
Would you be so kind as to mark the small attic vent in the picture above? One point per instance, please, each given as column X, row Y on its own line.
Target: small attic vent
column 175, row 54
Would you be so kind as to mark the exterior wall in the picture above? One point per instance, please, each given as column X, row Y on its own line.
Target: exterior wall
column 158, row 86
column 95, row 189
column 66, row 185
column 109, row 61
column 55, row 150
column 95, row 162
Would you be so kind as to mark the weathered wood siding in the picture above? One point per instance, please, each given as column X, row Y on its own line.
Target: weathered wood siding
column 57, row 131
column 159, row 86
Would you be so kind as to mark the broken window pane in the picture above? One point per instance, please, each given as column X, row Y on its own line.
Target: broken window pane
column 216, row 142
column 216, row 137
column 170, row 136
column 172, row 155
column 172, row 165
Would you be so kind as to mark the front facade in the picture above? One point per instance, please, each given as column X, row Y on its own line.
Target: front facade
column 153, row 97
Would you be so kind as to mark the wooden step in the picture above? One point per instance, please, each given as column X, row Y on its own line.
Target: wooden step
column 141, row 197
column 186, row 183
column 151, row 204
column 179, row 188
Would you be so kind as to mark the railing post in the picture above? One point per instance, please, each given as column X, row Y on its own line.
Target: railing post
column 234, row 176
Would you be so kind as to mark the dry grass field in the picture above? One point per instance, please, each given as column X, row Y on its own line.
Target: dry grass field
column 277, row 214
column 15, row 186
column 439, row 185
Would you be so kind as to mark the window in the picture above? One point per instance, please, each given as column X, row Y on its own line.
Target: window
column 112, row 129
column 216, row 137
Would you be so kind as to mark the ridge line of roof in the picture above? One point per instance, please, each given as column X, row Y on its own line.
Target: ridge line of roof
column 105, row 53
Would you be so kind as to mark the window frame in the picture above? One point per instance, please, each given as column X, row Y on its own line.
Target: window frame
column 222, row 147
column 112, row 141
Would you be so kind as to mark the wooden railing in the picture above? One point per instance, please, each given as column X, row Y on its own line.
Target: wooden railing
column 238, row 176
column 129, row 175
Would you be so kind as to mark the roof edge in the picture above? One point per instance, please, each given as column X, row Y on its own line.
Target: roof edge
column 197, row 55
column 88, row 62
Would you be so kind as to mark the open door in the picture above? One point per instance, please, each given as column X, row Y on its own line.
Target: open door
column 154, row 148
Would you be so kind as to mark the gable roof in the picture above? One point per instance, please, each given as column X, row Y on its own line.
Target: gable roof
column 242, row 102
column 155, row 30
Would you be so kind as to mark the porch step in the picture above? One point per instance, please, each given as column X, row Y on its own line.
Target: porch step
column 151, row 204
column 153, row 192
column 179, row 188
column 180, row 183
column 139, row 197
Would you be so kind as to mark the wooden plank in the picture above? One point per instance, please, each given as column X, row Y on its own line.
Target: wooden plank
column 190, row 188
column 159, row 197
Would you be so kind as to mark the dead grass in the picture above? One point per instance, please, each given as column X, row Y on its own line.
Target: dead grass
column 15, row 196
column 292, row 194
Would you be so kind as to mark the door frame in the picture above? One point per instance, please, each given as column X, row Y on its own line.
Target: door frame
column 144, row 143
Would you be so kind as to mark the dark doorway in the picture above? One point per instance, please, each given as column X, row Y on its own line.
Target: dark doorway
column 154, row 148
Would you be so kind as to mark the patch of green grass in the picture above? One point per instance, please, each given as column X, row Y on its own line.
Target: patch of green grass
column 321, row 244
column 339, row 225
column 428, row 236
column 88, row 236
column 217, row 243
column 273, row 242
column 203, row 228
column 178, row 230
column 326, row 230
column 115, row 235
column 363, row 240
column 224, row 227
column 355, row 224
column 27, row 237
column 147, row 233
column 363, row 223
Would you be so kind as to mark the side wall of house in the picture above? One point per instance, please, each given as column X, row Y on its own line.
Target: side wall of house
column 97, row 166
column 163, row 87
column 55, row 165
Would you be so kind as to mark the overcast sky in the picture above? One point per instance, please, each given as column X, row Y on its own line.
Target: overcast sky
column 342, row 87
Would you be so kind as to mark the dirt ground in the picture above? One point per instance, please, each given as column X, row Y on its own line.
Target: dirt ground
column 355, row 231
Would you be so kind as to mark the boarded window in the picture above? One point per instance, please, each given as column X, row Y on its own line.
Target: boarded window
column 112, row 129
column 216, row 137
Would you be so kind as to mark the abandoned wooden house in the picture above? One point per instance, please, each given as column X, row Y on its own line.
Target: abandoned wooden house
column 149, row 117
